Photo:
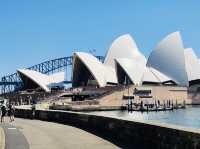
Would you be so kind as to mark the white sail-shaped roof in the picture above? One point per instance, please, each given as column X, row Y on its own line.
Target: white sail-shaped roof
column 160, row 76
column 132, row 68
column 101, row 73
column 57, row 77
column 93, row 65
column 153, row 75
column 40, row 79
column 148, row 76
column 192, row 64
column 123, row 47
column 110, row 74
column 168, row 58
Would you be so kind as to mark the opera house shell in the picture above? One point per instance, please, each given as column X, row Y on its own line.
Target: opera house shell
column 192, row 66
column 168, row 64
column 33, row 79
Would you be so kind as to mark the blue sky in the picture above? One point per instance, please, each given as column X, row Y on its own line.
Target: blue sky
column 32, row 31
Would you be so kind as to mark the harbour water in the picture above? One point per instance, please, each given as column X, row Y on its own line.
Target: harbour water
column 189, row 117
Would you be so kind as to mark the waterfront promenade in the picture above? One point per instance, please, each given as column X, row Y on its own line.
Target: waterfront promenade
column 35, row 134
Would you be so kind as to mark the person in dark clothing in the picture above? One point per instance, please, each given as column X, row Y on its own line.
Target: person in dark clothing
column 33, row 109
column 11, row 112
column 3, row 113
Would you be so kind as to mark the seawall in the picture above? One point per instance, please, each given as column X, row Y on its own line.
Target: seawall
column 124, row 133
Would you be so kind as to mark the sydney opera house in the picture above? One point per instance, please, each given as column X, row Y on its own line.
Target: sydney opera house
column 169, row 64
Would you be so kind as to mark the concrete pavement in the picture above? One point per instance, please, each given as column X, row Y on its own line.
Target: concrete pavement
column 14, row 139
column 42, row 135
column 2, row 138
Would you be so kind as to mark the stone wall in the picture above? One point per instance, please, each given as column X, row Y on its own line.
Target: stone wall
column 126, row 134
column 161, row 93
column 164, row 93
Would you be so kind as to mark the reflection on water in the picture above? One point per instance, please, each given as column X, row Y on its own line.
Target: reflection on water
column 189, row 117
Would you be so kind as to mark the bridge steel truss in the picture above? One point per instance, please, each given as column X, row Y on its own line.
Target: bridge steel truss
column 13, row 82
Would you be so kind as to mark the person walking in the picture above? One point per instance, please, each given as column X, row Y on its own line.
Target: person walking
column 3, row 112
column 11, row 112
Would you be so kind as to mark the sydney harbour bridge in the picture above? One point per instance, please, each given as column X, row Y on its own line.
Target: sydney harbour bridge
column 12, row 82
